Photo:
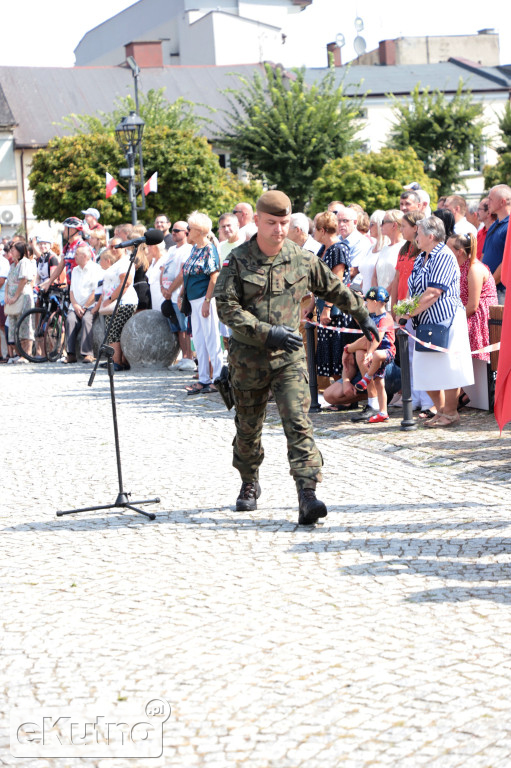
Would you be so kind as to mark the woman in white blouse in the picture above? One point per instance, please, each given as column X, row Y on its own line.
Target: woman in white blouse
column 385, row 268
column 364, row 265
column 113, row 281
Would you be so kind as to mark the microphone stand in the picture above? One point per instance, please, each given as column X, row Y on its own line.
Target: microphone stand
column 122, row 501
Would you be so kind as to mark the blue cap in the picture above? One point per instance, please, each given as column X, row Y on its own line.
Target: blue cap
column 377, row 294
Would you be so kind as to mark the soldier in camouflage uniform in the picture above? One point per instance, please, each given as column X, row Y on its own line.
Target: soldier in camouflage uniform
column 258, row 296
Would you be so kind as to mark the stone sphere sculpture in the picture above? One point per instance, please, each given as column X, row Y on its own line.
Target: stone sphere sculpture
column 146, row 340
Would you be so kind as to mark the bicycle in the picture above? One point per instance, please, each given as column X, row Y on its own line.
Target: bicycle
column 55, row 333
column 49, row 322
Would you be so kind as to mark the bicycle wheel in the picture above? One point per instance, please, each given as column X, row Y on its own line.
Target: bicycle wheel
column 54, row 335
column 37, row 318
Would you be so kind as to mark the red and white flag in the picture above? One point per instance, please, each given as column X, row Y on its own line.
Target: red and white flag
column 151, row 184
column 111, row 186
column 503, row 384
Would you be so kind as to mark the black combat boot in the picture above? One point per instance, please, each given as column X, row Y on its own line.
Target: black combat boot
column 247, row 499
column 309, row 507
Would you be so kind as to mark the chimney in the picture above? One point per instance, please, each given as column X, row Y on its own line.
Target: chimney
column 146, row 54
column 387, row 51
column 335, row 49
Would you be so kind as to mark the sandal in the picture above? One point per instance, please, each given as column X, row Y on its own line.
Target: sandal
column 432, row 421
column 338, row 408
column 445, row 420
column 204, row 389
column 427, row 414
column 463, row 400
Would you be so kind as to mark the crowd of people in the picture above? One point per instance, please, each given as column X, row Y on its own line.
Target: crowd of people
column 450, row 259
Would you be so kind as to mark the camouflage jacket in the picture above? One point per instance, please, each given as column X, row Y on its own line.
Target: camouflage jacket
column 255, row 291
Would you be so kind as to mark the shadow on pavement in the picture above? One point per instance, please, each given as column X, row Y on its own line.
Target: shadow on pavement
column 462, row 594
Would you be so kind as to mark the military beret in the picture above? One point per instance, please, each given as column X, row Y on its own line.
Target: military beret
column 275, row 203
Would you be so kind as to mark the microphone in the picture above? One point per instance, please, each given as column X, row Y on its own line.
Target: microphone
column 151, row 237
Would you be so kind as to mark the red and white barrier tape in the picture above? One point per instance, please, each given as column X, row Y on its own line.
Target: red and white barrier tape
column 339, row 330
column 488, row 348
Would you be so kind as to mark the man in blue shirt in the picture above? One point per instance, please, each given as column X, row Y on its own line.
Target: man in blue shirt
column 499, row 203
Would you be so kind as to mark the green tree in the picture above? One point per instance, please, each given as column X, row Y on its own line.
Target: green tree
column 445, row 132
column 154, row 109
column 69, row 176
column 500, row 173
column 284, row 131
column 373, row 180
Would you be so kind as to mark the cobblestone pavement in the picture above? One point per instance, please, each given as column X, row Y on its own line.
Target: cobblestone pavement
column 381, row 637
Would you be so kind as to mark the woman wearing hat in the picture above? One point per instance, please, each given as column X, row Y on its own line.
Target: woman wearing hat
column 91, row 218
column 47, row 260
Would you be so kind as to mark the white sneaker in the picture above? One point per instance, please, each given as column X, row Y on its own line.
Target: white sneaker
column 13, row 360
column 175, row 366
column 186, row 365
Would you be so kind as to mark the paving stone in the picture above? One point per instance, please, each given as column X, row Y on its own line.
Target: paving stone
column 379, row 637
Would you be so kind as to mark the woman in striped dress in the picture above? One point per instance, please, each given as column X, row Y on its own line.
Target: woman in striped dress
column 436, row 279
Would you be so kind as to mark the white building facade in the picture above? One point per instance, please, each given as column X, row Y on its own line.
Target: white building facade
column 209, row 32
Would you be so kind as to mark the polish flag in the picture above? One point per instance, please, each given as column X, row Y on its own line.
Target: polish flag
column 111, row 186
column 151, row 184
column 502, row 407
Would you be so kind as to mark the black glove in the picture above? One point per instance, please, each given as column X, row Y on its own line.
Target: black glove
column 283, row 337
column 369, row 329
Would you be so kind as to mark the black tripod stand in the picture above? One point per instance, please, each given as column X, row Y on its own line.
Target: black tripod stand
column 122, row 501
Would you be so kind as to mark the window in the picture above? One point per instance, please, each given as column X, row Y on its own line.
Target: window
column 7, row 166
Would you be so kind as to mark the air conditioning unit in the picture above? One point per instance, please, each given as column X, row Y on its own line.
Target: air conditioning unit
column 10, row 214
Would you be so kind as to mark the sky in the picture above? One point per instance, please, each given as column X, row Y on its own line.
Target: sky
column 45, row 33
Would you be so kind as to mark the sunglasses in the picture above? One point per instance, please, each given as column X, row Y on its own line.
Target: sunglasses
column 180, row 230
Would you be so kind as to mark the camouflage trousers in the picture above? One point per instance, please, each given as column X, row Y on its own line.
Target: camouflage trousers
column 290, row 387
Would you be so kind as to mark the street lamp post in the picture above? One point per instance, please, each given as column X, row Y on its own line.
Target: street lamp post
column 129, row 137
column 135, row 71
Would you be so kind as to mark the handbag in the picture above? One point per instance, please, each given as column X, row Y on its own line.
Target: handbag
column 14, row 309
column 186, row 307
column 434, row 334
column 108, row 309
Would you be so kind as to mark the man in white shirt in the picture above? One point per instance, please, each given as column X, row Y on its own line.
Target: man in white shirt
column 84, row 282
column 229, row 227
column 299, row 233
column 171, row 280
column 359, row 244
column 425, row 201
column 159, row 255
column 245, row 215
column 458, row 207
